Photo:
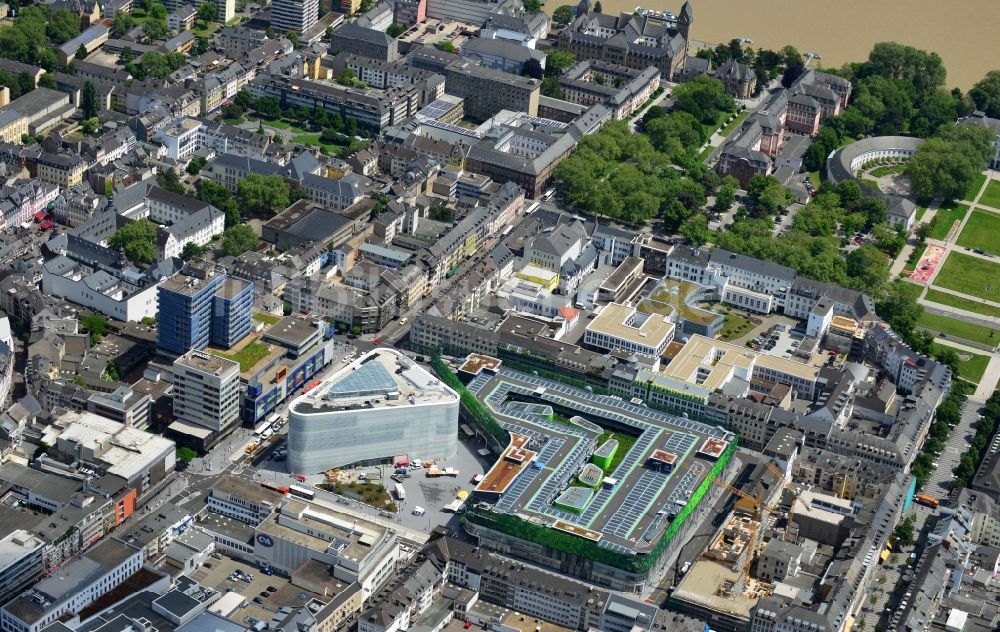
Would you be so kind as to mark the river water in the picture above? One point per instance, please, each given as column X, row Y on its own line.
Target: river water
column 962, row 32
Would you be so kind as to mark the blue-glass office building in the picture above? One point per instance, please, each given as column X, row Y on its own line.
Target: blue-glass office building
column 201, row 306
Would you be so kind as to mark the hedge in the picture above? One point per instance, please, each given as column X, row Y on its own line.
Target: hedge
column 567, row 543
column 469, row 402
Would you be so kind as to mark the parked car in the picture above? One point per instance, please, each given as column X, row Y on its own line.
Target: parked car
column 271, row 589
column 258, row 601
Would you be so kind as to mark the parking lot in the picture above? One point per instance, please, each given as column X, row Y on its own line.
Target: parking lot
column 285, row 594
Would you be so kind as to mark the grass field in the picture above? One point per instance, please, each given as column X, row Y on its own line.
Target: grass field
column 991, row 196
column 912, row 289
column 267, row 319
column 248, row 356
column 920, row 212
column 736, row 122
column 958, row 328
column 705, row 153
column 974, row 188
column 734, row 326
column 885, row 170
column 947, row 215
column 971, row 366
column 982, row 230
column 950, row 300
column 970, row 275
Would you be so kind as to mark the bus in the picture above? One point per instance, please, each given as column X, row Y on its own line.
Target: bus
column 927, row 501
column 261, row 427
column 400, row 492
column 301, row 492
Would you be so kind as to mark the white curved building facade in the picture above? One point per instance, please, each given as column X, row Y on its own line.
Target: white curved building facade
column 380, row 406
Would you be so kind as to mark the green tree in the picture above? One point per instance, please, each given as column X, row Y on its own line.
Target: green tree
column 191, row 251
column 904, row 532
column 186, row 455
column 88, row 100
column 206, row 12
column 170, row 181
column 264, row 194
column 195, row 165
column 597, row 7
column 986, row 94
column 395, row 30
column 47, row 81
column 123, row 23
column 550, row 87
column 532, row 6
column 946, row 165
column 96, row 325
column 868, row 268
column 155, row 26
column 238, row 239
column 81, row 52
column 695, row 230
column 703, row 97
column 63, row 26
column 558, row 61
column 137, row 240
column 244, row 99
column 220, row 197
column 269, row 107
column 89, row 125
column 899, row 308
column 563, row 14
column 533, row 68
column 447, row 47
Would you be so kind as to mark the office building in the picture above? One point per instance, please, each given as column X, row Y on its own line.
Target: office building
column 201, row 306
column 20, row 561
column 379, row 406
column 297, row 16
column 487, row 91
column 245, row 501
column 206, row 390
column 619, row 327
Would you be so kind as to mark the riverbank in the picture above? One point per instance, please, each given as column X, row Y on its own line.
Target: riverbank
column 963, row 34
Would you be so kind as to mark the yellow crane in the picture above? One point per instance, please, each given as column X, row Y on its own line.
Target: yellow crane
column 734, row 491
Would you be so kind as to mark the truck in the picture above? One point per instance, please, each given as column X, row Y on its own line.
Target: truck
column 251, row 447
column 927, row 500
column 435, row 472
column 399, row 491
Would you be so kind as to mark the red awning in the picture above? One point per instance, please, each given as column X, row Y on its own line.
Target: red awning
column 47, row 224
column 40, row 215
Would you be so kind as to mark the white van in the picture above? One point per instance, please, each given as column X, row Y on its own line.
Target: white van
column 419, row 511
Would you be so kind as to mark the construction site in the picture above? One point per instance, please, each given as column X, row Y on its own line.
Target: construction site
column 734, row 570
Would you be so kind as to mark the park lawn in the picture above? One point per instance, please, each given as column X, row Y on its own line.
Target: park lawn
column 971, row 366
column 991, row 196
column 974, row 188
column 954, row 327
column 912, row 289
column 969, row 305
column 728, row 129
column 734, row 326
column 267, row 319
column 969, row 275
column 313, row 139
column 920, row 212
column 885, row 170
column 248, row 356
column 946, row 216
column 982, row 230
column 705, row 153
column 815, row 177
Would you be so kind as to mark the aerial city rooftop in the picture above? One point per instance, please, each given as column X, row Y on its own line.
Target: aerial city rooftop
column 441, row 315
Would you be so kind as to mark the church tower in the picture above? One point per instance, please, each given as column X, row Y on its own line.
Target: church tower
column 685, row 20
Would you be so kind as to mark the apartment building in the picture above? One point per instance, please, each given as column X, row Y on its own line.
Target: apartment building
column 202, row 305
column 72, row 587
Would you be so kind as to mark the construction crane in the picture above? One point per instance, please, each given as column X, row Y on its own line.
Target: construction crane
column 791, row 512
column 774, row 469
column 732, row 490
